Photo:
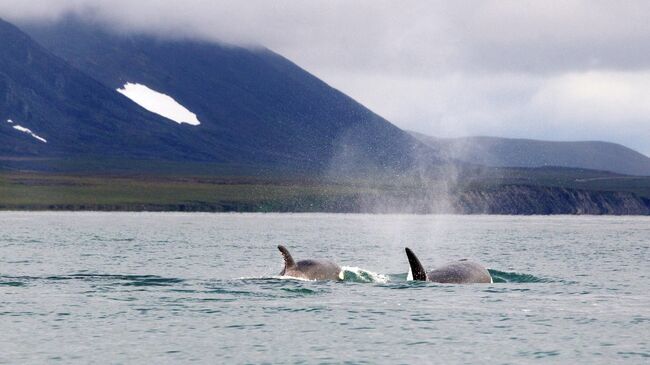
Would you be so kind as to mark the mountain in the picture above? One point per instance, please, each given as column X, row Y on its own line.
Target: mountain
column 50, row 109
column 225, row 127
column 253, row 105
column 507, row 152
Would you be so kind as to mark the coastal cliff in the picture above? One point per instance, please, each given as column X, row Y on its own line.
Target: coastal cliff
column 521, row 199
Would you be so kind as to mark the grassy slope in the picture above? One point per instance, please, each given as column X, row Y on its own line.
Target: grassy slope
column 44, row 191
column 173, row 192
column 568, row 178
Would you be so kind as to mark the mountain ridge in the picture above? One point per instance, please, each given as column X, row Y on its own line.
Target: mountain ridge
column 523, row 152
column 255, row 105
column 74, row 112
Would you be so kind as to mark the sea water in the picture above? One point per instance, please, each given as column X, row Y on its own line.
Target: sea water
column 153, row 288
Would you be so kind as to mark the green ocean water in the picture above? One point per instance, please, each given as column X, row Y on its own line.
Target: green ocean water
column 143, row 288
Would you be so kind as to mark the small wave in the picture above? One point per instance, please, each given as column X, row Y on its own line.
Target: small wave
column 514, row 277
column 126, row 280
column 303, row 291
column 358, row 275
column 399, row 277
column 266, row 287
column 121, row 279
column 11, row 283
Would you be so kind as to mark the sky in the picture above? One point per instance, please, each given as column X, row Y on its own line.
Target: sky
column 556, row 70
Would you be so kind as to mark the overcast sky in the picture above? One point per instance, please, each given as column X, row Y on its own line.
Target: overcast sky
column 558, row 70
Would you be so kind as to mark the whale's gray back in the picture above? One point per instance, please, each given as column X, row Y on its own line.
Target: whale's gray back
column 460, row 272
column 315, row 269
column 312, row 269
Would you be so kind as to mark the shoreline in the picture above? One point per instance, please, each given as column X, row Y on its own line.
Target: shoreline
column 558, row 215
column 56, row 192
column 68, row 209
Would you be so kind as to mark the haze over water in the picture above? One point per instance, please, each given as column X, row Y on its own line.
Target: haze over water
column 161, row 287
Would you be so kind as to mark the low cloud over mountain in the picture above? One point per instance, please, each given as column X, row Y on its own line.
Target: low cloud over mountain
column 558, row 70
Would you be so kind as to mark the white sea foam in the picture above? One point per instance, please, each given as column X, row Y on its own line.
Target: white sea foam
column 159, row 103
column 281, row 277
column 286, row 277
column 352, row 273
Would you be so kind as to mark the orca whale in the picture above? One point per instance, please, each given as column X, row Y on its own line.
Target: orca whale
column 459, row 272
column 311, row 269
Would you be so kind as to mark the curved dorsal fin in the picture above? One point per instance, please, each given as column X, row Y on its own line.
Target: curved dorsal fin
column 288, row 260
column 416, row 267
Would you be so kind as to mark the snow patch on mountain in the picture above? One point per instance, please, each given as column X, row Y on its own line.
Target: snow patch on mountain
column 26, row 130
column 158, row 103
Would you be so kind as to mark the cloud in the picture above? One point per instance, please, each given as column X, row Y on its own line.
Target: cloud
column 590, row 105
column 543, row 69
column 406, row 36
column 601, row 97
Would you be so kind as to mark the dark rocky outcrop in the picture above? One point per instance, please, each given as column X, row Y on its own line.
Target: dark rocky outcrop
column 514, row 199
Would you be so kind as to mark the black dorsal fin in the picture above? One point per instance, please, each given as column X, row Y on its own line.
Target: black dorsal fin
column 416, row 267
column 288, row 260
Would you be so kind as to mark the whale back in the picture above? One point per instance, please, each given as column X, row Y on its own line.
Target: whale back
column 311, row 269
column 417, row 271
column 460, row 272
column 316, row 269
